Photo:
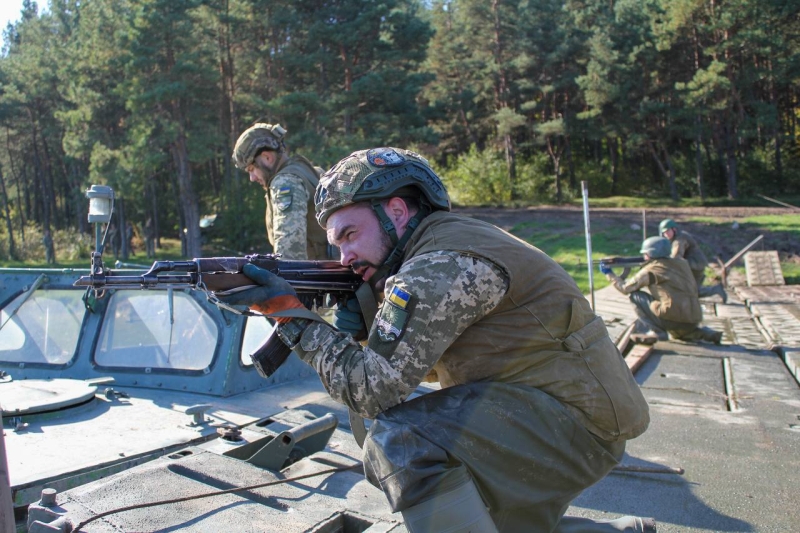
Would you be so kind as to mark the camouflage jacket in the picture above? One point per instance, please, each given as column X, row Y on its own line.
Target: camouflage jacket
column 473, row 303
column 291, row 227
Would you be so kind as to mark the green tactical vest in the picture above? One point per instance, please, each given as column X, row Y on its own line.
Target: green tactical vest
column 316, row 237
column 674, row 290
column 543, row 333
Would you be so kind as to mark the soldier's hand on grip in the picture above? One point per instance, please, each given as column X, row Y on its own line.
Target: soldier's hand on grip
column 273, row 293
column 347, row 317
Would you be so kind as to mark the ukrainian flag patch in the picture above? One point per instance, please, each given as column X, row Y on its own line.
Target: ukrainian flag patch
column 283, row 199
column 399, row 297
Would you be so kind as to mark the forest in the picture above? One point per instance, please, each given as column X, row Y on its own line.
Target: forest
column 514, row 102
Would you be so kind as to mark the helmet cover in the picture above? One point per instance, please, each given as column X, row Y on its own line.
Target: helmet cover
column 666, row 224
column 656, row 247
column 253, row 140
column 378, row 174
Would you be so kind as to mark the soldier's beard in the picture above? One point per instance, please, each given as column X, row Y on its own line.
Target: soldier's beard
column 384, row 249
column 268, row 171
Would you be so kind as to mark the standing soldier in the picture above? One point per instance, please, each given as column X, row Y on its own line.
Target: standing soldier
column 49, row 251
column 150, row 237
column 289, row 182
column 672, row 305
column 129, row 237
column 536, row 401
column 112, row 238
column 685, row 246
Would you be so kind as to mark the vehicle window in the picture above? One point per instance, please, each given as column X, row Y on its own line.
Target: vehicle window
column 42, row 329
column 156, row 329
column 256, row 332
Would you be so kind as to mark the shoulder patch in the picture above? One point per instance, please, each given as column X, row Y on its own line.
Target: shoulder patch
column 391, row 322
column 392, row 318
column 384, row 157
column 283, row 200
column 399, row 297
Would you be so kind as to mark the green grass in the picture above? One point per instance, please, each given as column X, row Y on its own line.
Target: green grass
column 170, row 249
column 791, row 273
column 567, row 244
column 641, row 202
column 773, row 223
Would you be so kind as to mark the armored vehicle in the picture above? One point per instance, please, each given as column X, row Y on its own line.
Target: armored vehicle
column 143, row 411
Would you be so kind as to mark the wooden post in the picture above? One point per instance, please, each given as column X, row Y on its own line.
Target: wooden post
column 644, row 224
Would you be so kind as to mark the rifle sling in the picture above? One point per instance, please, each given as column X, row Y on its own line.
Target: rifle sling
column 369, row 309
column 369, row 306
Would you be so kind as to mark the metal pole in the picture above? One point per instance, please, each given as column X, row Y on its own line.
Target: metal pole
column 98, row 238
column 586, row 224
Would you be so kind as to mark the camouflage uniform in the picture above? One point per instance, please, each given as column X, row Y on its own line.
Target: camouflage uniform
column 536, row 402
column 672, row 304
column 291, row 226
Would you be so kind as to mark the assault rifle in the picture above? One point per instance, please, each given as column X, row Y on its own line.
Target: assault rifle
column 625, row 262
column 216, row 276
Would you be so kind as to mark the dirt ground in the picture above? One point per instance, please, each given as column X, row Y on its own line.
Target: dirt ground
column 722, row 244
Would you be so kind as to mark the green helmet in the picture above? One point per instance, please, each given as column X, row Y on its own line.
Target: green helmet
column 666, row 224
column 254, row 139
column 378, row 174
column 656, row 247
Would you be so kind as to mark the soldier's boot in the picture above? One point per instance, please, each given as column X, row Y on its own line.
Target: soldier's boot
column 713, row 290
column 645, row 329
column 710, row 335
column 459, row 510
column 647, row 338
column 720, row 290
column 626, row 524
column 701, row 334
column 650, row 336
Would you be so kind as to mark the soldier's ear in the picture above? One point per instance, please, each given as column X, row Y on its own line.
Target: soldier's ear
column 398, row 212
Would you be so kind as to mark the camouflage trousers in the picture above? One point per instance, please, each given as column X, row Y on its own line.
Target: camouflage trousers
column 528, row 456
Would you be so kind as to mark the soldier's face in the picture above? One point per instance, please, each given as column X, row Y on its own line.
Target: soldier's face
column 669, row 233
column 262, row 169
column 364, row 245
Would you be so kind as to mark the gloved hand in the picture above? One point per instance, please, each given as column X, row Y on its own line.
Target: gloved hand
column 272, row 295
column 347, row 317
column 605, row 270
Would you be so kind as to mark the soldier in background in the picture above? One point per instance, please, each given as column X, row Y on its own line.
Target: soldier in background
column 685, row 246
column 49, row 250
column 289, row 182
column 672, row 306
column 536, row 401
column 129, row 237
column 150, row 237
column 112, row 238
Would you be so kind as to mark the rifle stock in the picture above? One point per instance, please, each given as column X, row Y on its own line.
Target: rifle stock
column 312, row 280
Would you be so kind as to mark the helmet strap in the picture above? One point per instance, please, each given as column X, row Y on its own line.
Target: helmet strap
column 385, row 221
column 394, row 257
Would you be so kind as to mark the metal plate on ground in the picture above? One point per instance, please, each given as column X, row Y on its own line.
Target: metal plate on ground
column 31, row 396
column 679, row 379
column 763, row 268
